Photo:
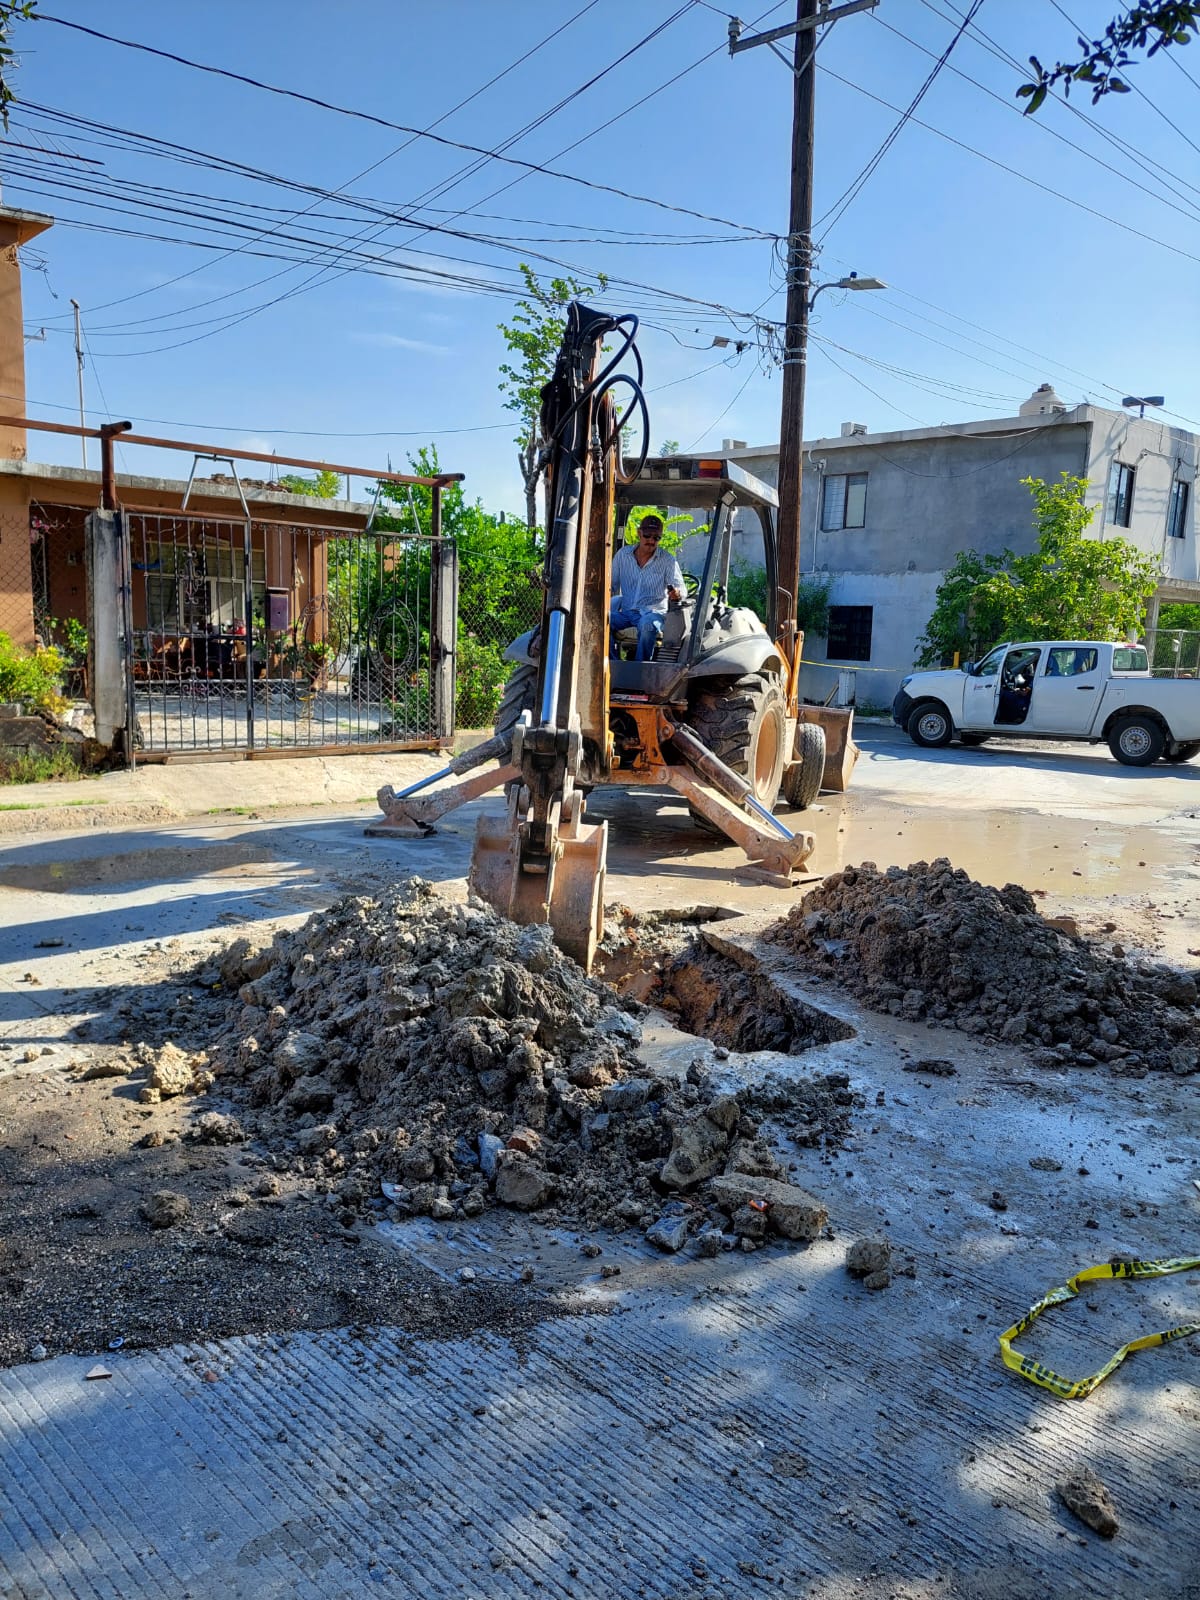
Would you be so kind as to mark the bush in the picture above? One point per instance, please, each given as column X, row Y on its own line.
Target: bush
column 480, row 676
column 31, row 678
column 42, row 766
column 748, row 587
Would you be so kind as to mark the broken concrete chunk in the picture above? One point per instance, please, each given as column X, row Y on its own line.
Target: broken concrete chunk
column 755, row 1158
column 868, row 1256
column 749, row 1222
column 1082, row 1492
column 299, row 1054
column 791, row 1212
column 669, row 1233
column 171, row 1071
column 628, row 1097
column 489, row 1153
column 214, row 1128
column 698, row 1150
column 522, row 1184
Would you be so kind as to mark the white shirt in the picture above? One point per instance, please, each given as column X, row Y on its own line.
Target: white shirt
column 644, row 588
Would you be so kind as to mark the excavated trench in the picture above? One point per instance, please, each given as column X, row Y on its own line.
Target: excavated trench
column 663, row 959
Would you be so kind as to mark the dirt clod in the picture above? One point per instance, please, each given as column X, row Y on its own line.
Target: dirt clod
column 928, row 942
column 165, row 1209
column 1082, row 1492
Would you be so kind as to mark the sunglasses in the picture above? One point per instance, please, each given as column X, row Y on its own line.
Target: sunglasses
column 653, row 537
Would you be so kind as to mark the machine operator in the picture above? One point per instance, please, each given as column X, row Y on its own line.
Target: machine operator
column 644, row 579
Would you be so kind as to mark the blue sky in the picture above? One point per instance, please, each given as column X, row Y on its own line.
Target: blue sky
column 996, row 284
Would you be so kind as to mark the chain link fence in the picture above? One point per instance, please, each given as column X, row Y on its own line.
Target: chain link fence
column 498, row 601
column 1174, row 652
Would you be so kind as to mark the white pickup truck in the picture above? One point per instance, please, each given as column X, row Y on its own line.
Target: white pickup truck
column 1056, row 689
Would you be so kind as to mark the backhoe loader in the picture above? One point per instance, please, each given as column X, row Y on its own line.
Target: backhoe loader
column 713, row 715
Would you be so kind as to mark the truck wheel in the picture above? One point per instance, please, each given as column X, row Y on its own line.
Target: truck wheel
column 745, row 725
column 1183, row 752
column 802, row 778
column 517, row 697
column 930, row 725
column 1137, row 741
column 971, row 740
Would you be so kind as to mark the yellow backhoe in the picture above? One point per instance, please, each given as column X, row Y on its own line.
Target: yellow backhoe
column 713, row 715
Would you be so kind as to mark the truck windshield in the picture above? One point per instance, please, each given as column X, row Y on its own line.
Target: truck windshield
column 990, row 665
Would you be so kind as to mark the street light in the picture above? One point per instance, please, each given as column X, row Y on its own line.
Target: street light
column 852, row 282
column 1141, row 401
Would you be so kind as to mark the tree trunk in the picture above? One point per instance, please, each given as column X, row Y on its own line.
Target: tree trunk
column 527, row 460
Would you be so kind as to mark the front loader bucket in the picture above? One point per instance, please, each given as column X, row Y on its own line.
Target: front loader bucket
column 841, row 752
column 570, row 899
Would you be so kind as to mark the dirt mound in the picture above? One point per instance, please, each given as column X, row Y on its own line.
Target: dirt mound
column 454, row 1060
column 929, row 942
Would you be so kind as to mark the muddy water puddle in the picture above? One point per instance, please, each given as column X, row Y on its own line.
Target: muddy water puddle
column 1064, row 856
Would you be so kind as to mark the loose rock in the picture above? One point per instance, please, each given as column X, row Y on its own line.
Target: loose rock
column 1082, row 1492
column 165, row 1209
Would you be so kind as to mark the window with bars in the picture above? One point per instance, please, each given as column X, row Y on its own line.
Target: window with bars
column 1120, row 494
column 844, row 501
column 1177, row 509
column 192, row 587
column 849, row 634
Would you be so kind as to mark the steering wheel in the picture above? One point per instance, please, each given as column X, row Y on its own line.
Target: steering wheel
column 691, row 585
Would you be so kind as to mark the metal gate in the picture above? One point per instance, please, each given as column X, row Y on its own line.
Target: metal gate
column 260, row 636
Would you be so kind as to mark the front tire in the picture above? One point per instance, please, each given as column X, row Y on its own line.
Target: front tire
column 930, row 725
column 517, row 697
column 1183, row 752
column 802, row 779
column 1137, row 741
column 745, row 726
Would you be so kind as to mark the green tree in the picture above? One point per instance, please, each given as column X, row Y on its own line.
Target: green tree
column 533, row 337
column 11, row 11
column 1070, row 587
column 669, row 447
column 1179, row 615
column 1150, row 28
column 325, row 485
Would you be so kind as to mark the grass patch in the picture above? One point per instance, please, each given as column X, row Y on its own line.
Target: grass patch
column 41, row 766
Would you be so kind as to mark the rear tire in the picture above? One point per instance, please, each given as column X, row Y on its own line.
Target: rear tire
column 802, row 779
column 1183, row 752
column 930, row 725
column 745, row 725
column 972, row 740
column 1137, row 741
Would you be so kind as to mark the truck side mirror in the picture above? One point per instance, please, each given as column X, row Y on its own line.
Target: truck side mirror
column 969, row 668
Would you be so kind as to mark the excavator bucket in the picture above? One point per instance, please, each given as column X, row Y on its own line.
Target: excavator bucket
column 570, row 898
column 841, row 752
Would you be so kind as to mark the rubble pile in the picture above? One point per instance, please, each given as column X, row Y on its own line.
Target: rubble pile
column 928, row 942
column 450, row 1060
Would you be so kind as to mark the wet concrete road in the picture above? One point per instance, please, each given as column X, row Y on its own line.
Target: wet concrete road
column 754, row 1423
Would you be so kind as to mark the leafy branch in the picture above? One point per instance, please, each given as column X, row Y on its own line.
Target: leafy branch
column 1142, row 28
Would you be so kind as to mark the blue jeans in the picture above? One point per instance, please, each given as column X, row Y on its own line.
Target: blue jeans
column 649, row 625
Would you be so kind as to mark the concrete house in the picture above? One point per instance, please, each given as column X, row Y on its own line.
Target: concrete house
column 885, row 514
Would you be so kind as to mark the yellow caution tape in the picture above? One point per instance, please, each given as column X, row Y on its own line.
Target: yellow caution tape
column 1081, row 1387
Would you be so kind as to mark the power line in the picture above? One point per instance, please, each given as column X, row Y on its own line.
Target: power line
column 840, row 206
column 1010, row 105
column 397, row 127
column 1013, row 171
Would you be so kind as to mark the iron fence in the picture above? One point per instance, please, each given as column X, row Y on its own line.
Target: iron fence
column 256, row 636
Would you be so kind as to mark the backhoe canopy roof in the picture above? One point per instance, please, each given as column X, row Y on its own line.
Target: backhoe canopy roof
column 694, row 483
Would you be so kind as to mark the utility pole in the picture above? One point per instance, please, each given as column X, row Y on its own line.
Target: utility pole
column 79, row 371
column 810, row 14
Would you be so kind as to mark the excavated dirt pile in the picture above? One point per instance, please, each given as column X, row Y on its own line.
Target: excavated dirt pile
column 929, row 942
column 454, row 1060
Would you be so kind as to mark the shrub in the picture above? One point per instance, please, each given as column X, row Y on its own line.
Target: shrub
column 31, row 678
column 481, row 673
